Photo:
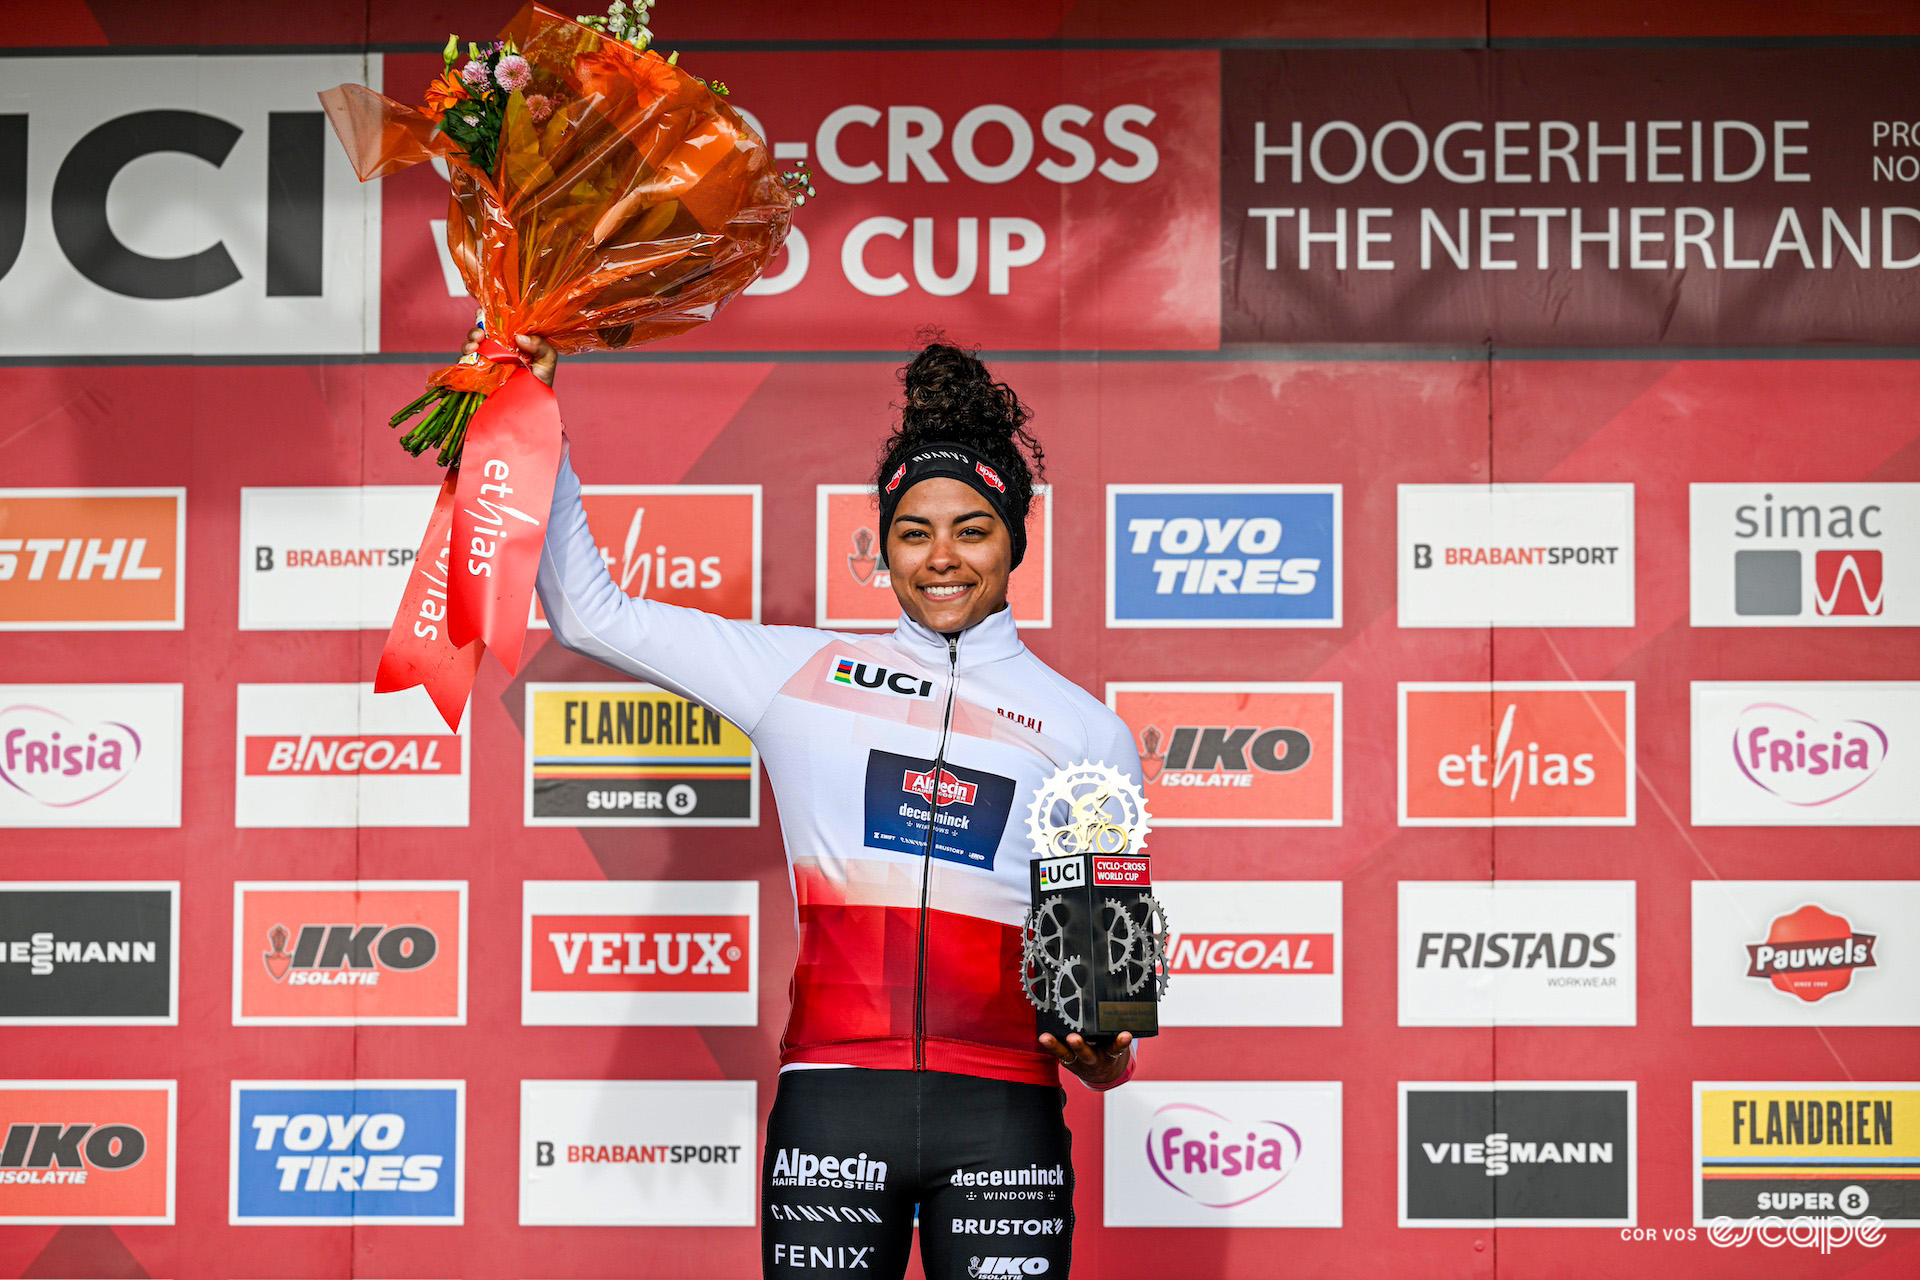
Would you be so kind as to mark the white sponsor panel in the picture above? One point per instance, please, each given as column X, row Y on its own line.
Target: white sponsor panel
column 180, row 204
column 1805, row 953
column 638, row 1153
column 1518, row 953
column 1830, row 753
column 1804, row 555
column 1223, row 1154
column 339, row 755
column 331, row 558
column 1252, row 953
column 1516, row 555
column 90, row 755
column 639, row 953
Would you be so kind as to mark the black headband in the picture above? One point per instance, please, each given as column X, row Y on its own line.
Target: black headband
column 959, row 463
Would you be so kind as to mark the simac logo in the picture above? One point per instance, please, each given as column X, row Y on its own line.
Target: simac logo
column 1803, row 555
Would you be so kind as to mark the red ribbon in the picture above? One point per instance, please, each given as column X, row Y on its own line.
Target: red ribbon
column 472, row 583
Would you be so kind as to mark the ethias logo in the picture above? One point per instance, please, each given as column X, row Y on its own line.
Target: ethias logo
column 1516, row 754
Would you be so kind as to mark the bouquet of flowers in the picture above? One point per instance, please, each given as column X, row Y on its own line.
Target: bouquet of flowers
column 602, row 197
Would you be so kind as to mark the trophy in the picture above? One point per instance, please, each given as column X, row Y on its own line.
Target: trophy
column 1093, row 958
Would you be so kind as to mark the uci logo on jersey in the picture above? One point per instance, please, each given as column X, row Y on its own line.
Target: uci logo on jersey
column 1223, row 555
column 867, row 675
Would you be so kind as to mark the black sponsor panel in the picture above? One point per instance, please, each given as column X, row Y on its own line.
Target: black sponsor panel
column 1889, row 1199
column 86, row 953
column 1518, row 1155
column 651, row 798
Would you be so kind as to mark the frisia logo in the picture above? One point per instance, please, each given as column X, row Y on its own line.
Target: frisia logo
column 1216, row 1161
column 50, row 758
column 1266, row 953
column 1802, row 759
column 350, row 754
column 952, row 790
column 348, row 955
column 1810, row 954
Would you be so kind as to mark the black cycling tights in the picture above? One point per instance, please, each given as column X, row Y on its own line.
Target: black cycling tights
column 850, row 1152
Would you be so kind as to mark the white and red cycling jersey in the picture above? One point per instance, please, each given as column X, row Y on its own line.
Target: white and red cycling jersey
column 903, row 766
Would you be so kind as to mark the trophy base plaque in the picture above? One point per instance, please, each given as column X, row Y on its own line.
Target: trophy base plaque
column 1094, row 955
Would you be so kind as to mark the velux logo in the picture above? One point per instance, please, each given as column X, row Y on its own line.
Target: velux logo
column 642, row 953
column 1511, row 754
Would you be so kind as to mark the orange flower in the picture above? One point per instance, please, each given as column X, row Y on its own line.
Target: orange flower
column 443, row 94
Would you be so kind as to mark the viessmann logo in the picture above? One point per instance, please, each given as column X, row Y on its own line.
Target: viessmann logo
column 692, row 545
column 1805, row 555
column 92, row 559
column 86, row 1151
column 349, row 952
column 97, row 952
column 90, row 755
column 1511, row 754
column 334, row 755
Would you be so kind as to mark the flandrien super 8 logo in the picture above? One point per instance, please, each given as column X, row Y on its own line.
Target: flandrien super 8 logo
column 348, row 1151
column 1223, row 555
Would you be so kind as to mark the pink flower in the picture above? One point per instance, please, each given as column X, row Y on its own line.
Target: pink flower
column 474, row 73
column 539, row 107
column 513, row 73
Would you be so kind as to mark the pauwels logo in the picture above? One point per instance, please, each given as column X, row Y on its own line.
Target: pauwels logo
column 1810, row 954
column 1523, row 1154
column 86, row 1151
column 1238, row 755
column 691, row 545
column 90, row 755
column 640, row 953
column 1223, row 555
column 1805, row 555
column 334, row 755
column 92, row 559
column 348, row 1151
column 1516, row 754
column 1810, row 753
column 369, row 952
column 89, row 952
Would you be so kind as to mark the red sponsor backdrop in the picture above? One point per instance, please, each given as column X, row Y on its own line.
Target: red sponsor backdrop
column 788, row 396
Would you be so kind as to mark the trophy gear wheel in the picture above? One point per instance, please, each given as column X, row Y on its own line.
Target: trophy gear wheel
column 1087, row 808
column 1125, row 946
column 1043, row 951
column 1068, row 994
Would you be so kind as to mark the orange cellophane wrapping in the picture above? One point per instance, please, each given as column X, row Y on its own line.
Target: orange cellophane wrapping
column 638, row 208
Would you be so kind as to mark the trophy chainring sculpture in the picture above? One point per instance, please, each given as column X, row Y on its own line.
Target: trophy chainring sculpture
column 1093, row 955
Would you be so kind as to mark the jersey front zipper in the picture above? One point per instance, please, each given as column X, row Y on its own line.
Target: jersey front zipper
column 926, row 860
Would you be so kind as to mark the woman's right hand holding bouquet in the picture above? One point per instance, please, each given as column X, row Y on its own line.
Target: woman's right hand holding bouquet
column 542, row 359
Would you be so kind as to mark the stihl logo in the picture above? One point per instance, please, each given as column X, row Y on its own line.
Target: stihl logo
column 1252, row 953
column 65, row 1152
column 336, row 755
column 952, row 789
column 641, row 953
column 1507, row 754
column 90, row 559
column 334, row 955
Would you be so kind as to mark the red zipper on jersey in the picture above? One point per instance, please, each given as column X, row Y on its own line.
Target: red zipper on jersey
column 926, row 861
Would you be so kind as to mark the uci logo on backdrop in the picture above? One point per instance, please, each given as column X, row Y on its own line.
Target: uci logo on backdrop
column 1223, row 555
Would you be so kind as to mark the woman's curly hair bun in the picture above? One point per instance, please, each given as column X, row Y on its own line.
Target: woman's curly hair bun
column 951, row 398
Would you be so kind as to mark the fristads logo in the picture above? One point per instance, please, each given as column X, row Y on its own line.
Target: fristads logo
column 1516, row 754
column 346, row 952
column 1252, row 953
column 91, row 559
column 1236, row 755
column 328, row 559
column 858, row 674
column 1515, row 555
column 99, row 952
column 335, row 755
column 635, row 755
column 640, row 953
column 176, row 205
column 1794, row 1150
column 348, row 1151
column 1223, row 555
column 1213, row 1154
column 1517, row 953
column 692, row 545
column 1533, row 1154
column 853, row 590
column 86, row 1151
column 1827, row 753
column 90, row 755
column 1805, row 953
column 966, row 809
column 641, row 1153
column 1805, row 555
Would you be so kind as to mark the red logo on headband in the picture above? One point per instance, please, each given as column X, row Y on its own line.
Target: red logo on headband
column 987, row 473
column 895, row 482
